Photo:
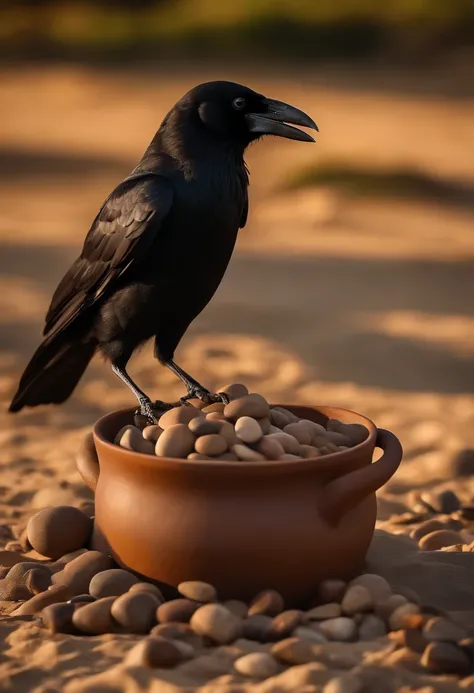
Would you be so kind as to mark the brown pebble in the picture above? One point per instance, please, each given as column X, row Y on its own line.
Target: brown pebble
column 198, row 456
column 227, row 431
column 268, row 602
column 357, row 599
column 179, row 610
column 323, row 612
column 111, row 583
column 397, row 617
column 229, row 457
column 342, row 629
column 257, row 665
column 345, row 683
column 264, row 425
column 253, row 405
column 289, row 444
column 149, row 588
column 443, row 629
column 413, row 639
column 55, row 531
column 426, row 528
column 178, row 415
column 294, row 651
column 331, row 590
column 438, row 539
column 376, row 585
column 130, row 438
column 135, row 612
column 246, row 454
column 214, row 407
column 256, row 627
column 212, row 444
column 445, row 502
column 215, row 416
column 371, row 628
column 313, row 427
column 283, row 625
column 79, row 572
column 300, row 432
column 339, row 439
column 270, row 448
column 278, row 419
column 292, row 418
column 82, row 599
column 37, row 580
column 53, row 595
column 289, row 457
column 235, row 391
column 310, row 633
column 385, row 607
column 95, row 618
column 179, row 631
column 203, row 426
column 236, row 607
column 152, row 433
column 248, row 430
column 154, row 652
column 357, row 433
column 57, row 618
column 307, row 452
column 217, row 623
column 446, row 658
column 175, row 441
column 87, row 461
column 198, row 591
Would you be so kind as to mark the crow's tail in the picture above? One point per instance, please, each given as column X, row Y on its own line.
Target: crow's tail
column 54, row 371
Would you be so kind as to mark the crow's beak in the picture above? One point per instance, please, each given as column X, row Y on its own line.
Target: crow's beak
column 274, row 121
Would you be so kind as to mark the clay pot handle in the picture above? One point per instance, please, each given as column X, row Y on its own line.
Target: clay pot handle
column 345, row 492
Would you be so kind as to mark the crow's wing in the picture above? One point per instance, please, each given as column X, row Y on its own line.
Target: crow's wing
column 120, row 236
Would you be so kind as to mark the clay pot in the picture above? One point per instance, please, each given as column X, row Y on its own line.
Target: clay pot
column 242, row 526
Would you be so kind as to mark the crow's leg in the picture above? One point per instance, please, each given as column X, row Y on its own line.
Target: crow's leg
column 147, row 407
column 194, row 388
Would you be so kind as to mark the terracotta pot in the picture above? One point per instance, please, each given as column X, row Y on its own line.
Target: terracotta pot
column 242, row 526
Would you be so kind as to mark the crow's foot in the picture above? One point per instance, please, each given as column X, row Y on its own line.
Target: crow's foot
column 147, row 411
column 199, row 392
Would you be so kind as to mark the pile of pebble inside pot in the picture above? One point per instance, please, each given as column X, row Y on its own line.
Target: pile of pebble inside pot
column 246, row 429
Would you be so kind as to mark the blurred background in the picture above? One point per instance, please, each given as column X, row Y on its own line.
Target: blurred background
column 352, row 283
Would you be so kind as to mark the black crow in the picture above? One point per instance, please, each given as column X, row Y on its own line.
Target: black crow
column 160, row 244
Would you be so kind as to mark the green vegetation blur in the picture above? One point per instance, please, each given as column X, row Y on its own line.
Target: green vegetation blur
column 235, row 29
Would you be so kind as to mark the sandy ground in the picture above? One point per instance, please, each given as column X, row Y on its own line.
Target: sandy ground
column 360, row 304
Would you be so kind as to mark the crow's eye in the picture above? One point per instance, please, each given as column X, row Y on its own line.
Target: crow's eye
column 239, row 103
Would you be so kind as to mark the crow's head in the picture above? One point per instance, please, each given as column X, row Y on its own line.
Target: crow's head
column 234, row 112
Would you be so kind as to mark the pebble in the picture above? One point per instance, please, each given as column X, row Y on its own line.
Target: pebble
column 248, row 430
column 54, row 532
column 214, row 407
column 397, row 618
column 357, row 433
column 152, row 433
column 438, row 539
column 300, row 432
column 236, row 607
column 294, row 651
column 95, row 618
column 444, row 502
column 292, row 418
column 179, row 415
column 57, row 618
column 154, row 652
column 268, row 602
column 229, row 456
column 179, row 610
column 82, row 599
column 175, row 441
column 283, row 625
column 324, row 612
column 246, row 454
column 278, row 419
column 346, row 683
column 386, row 607
column 135, row 612
column 371, row 628
column 111, row 583
column 413, row 639
column 198, row 591
column 227, row 431
column 356, row 600
column 309, row 451
column 339, row 439
column 203, row 427
column 180, row 632
column 331, row 590
column 78, row 573
column 130, row 437
column 198, row 456
column 257, row 665
column 446, row 658
column 149, row 588
column 216, row 622
column 289, row 457
column 235, row 391
column 53, row 595
column 376, row 585
column 37, row 580
column 215, row 416
column 342, row 629
column 253, row 405
column 289, row 444
column 270, row 448
column 426, row 528
column 265, row 425
column 212, row 444
column 309, row 634
column 442, row 629
column 87, row 461
column 11, row 591
column 257, row 627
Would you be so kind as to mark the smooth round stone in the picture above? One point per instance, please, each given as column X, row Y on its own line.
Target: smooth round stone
column 236, row 607
column 179, row 415
column 203, row 426
column 198, row 591
column 342, row 629
column 339, row 439
column 444, row 502
column 57, row 618
column 265, row 425
column 149, row 588
column 95, row 618
column 331, row 590
column 278, row 419
column 55, row 531
column 310, row 634
column 253, row 405
column 82, row 599
column 386, row 607
column 300, row 432
column 227, row 431
column 271, row 449
column 179, row 632
column 217, row 623
column 289, row 457
column 248, row 430
column 357, row 433
column 371, row 628
column 152, row 433
column 289, row 444
column 198, row 456
column 283, row 625
column 229, row 457
column 154, row 652
column 175, row 441
column 179, row 610
column 292, row 418
column 426, row 528
column 357, row 599
column 130, row 438
column 257, row 665
column 397, row 618
column 53, row 595
column 438, row 539
column 135, row 612
column 247, row 454
column 235, row 391
column 78, row 573
column 441, row 629
column 214, row 407
column 268, row 602
column 324, row 612
column 212, row 445
column 307, row 452
column 446, row 658
column 111, row 583
column 37, row 580
column 215, row 416
column 294, row 651
column 256, row 627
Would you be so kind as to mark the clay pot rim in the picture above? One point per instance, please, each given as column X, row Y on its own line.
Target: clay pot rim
column 329, row 462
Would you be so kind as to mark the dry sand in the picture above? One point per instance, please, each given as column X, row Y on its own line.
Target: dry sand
column 363, row 305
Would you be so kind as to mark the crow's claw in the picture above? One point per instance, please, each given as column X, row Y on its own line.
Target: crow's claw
column 204, row 395
column 147, row 411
